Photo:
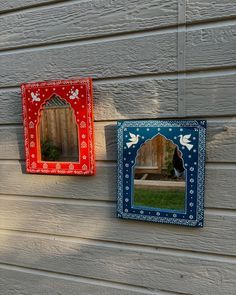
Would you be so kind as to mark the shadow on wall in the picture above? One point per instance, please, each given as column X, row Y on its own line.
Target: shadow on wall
column 135, row 99
column 93, row 256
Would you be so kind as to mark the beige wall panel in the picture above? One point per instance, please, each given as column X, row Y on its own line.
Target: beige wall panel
column 9, row 5
column 135, row 99
column 97, row 59
column 150, row 268
column 220, row 186
column 102, row 186
column 98, row 187
column 94, row 220
column 145, row 98
column 211, row 96
column 202, row 10
column 138, row 55
column 112, row 100
column 211, row 48
column 89, row 19
column 19, row 281
column 221, row 140
column 11, row 106
column 85, row 19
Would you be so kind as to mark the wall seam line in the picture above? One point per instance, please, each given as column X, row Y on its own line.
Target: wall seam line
column 181, row 51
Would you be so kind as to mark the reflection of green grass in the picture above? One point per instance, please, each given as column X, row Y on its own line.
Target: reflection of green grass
column 149, row 197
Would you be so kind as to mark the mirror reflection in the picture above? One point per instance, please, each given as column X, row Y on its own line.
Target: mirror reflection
column 58, row 132
column 159, row 175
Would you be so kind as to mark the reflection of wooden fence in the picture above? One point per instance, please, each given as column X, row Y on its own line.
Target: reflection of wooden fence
column 153, row 155
column 58, row 126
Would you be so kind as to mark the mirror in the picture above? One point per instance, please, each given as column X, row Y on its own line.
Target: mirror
column 58, row 132
column 161, row 171
column 159, row 175
column 58, row 127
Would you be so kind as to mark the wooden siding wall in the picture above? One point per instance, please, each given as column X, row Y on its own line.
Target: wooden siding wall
column 149, row 59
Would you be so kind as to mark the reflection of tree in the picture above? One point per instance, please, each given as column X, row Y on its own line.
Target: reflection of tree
column 49, row 151
column 178, row 164
column 170, row 148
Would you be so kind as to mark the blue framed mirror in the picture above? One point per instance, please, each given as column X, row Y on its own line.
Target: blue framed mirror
column 161, row 171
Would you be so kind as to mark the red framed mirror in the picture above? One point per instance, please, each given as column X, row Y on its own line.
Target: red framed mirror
column 58, row 127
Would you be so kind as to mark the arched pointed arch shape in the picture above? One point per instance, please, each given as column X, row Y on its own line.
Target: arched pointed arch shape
column 76, row 97
column 159, row 175
column 58, row 132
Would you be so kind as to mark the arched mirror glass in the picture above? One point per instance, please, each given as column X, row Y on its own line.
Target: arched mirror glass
column 58, row 132
column 161, row 171
column 159, row 175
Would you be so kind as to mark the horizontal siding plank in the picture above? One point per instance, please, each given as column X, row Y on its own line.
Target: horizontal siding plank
column 143, row 55
column 12, row 142
column 99, row 187
column 6, row 5
column 211, row 47
column 210, row 96
column 220, row 187
column 30, row 282
column 89, row 19
column 142, row 99
column 85, row 19
column 203, row 10
column 148, row 98
column 114, row 58
column 103, row 185
column 98, row 221
column 11, row 107
column 221, row 141
column 152, row 269
column 112, row 100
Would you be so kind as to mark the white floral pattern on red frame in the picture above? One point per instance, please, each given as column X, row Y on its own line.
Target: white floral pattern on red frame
column 82, row 109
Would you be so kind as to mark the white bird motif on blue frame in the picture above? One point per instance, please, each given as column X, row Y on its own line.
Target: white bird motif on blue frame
column 184, row 140
column 133, row 139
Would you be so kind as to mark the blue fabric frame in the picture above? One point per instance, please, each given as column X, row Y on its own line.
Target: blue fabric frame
column 194, row 163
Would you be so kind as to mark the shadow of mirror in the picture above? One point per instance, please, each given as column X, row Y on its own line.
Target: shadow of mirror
column 159, row 176
column 58, row 132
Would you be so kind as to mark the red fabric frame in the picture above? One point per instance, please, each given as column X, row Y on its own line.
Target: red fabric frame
column 78, row 93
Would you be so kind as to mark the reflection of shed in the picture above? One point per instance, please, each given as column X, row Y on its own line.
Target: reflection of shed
column 154, row 155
